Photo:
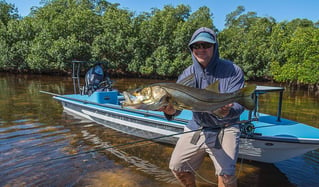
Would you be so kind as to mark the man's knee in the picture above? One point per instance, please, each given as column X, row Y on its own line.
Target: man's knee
column 186, row 178
column 229, row 180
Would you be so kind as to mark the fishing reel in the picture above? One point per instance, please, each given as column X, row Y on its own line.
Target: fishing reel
column 247, row 128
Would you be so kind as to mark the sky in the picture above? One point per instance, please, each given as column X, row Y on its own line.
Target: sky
column 281, row 10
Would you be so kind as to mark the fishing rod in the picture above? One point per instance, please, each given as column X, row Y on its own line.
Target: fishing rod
column 243, row 123
column 104, row 148
column 248, row 125
column 119, row 145
column 116, row 146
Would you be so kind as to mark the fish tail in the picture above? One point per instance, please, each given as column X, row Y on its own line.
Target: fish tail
column 246, row 100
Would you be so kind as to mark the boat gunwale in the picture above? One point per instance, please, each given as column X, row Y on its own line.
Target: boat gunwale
column 311, row 141
column 181, row 122
column 146, row 118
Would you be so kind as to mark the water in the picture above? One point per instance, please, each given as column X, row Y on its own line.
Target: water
column 40, row 145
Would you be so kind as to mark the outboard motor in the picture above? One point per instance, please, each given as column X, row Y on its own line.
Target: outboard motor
column 96, row 79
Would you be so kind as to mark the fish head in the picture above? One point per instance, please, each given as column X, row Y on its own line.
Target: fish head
column 148, row 98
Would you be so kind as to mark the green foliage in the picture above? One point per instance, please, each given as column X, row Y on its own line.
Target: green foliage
column 246, row 41
column 302, row 58
column 153, row 44
column 65, row 30
column 7, row 12
column 113, row 42
column 285, row 52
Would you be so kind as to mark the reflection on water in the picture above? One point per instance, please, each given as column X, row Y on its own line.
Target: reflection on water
column 298, row 105
column 307, row 172
column 38, row 139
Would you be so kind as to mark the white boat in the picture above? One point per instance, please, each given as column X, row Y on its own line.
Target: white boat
column 265, row 138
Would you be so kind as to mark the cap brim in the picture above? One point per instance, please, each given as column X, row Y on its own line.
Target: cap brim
column 203, row 39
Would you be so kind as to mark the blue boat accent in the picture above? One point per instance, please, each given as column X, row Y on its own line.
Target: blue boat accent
column 265, row 138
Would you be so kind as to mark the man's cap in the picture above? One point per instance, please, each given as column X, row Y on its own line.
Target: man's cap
column 204, row 37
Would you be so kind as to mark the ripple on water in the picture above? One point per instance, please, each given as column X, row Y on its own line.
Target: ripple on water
column 25, row 142
column 300, row 168
column 37, row 154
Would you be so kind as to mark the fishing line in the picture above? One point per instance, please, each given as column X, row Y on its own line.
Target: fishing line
column 110, row 147
column 243, row 127
column 101, row 149
column 210, row 182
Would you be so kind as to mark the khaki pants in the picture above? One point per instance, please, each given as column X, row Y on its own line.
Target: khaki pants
column 187, row 157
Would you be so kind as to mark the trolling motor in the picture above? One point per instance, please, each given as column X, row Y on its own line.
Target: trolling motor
column 96, row 79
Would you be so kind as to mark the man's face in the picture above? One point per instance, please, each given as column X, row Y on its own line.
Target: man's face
column 203, row 52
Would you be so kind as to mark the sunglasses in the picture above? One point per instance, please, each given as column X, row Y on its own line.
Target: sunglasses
column 201, row 45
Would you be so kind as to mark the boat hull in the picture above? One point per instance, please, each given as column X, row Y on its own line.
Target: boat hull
column 262, row 145
column 128, row 124
column 271, row 151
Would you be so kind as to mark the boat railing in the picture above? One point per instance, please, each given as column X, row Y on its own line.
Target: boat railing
column 265, row 89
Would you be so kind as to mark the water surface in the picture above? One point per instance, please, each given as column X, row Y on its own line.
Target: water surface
column 41, row 145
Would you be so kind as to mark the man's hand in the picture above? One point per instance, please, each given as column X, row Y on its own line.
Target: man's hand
column 169, row 109
column 223, row 111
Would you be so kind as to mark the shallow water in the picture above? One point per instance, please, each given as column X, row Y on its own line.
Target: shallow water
column 40, row 145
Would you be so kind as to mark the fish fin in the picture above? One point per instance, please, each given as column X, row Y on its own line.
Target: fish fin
column 214, row 87
column 188, row 81
column 246, row 99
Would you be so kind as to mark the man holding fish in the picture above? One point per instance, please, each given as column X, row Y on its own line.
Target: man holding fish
column 222, row 145
column 213, row 89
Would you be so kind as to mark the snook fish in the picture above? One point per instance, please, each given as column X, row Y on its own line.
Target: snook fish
column 157, row 95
